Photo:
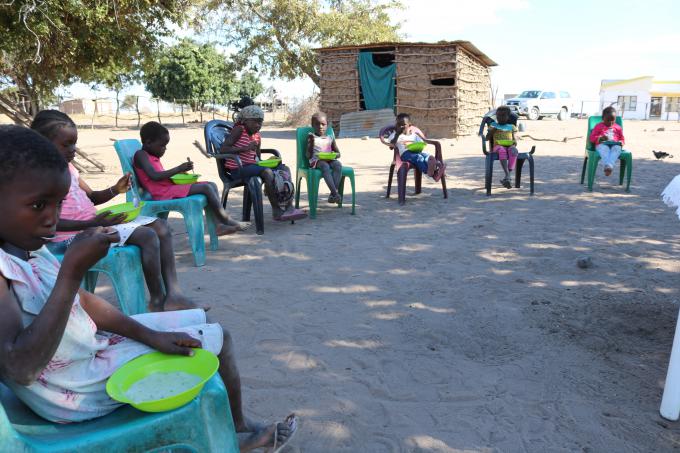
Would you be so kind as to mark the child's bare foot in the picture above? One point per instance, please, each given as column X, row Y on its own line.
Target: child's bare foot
column 607, row 171
column 431, row 166
column 240, row 226
column 223, row 230
column 180, row 302
column 272, row 438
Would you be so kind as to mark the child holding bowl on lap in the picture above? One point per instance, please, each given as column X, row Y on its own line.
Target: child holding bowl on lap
column 156, row 180
column 318, row 142
column 78, row 212
column 58, row 343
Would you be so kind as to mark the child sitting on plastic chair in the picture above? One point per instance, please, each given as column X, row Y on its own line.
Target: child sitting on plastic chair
column 608, row 139
column 403, row 138
column 156, row 180
column 78, row 212
column 58, row 343
column 501, row 136
column 318, row 143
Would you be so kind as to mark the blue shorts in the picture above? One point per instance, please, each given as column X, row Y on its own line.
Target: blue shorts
column 419, row 160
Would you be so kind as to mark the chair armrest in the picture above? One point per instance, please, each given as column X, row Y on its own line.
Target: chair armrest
column 484, row 150
column 271, row 151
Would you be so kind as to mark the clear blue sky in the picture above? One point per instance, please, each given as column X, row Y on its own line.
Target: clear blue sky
column 569, row 45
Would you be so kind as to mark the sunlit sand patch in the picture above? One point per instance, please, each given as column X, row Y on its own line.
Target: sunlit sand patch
column 501, row 271
column 380, row 303
column 391, row 316
column 297, row 361
column 498, row 257
column 604, row 286
column 422, row 306
column 356, row 344
column 346, row 289
column 413, row 247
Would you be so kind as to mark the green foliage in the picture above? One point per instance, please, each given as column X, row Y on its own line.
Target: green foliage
column 249, row 85
column 48, row 43
column 280, row 35
column 194, row 73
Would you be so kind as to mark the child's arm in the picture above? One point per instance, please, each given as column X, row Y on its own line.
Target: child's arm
column 110, row 319
column 334, row 147
column 596, row 135
column 101, row 220
column 309, row 152
column 229, row 142
column 102, row 196
column 25, row 352
column 142, row 161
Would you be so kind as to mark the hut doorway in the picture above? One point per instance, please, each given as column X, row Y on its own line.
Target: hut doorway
column 377, row 72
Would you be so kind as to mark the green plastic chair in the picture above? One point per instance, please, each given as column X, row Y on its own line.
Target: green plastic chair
column 190, row 207
column 592, row 158
column 203, row 425
column 123, row 265
column 314, row 176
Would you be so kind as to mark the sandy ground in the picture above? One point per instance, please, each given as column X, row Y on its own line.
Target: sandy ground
column 453, row 325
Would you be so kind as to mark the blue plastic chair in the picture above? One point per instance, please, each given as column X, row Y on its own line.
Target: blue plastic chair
column 123, row 265
column 190, row 207
column 313, row 175
column 203, row 425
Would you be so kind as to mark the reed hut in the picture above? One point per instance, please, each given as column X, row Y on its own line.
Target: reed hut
column 445, row 86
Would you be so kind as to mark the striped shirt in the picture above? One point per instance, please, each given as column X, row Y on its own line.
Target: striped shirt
column 247, row 157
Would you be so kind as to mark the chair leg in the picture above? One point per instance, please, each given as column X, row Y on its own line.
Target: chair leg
column 488, row 174
column 351, row 180
column 531, row 174
column 592, row 169
column 583, row 171
column 211, row 221
column 341, row 190
column 401, row 183
column 446, row 192
column 225, row 196
column 254, row 187
column 123, row 266
column 389, row 181
column 297, row 192
column 622, row 170
column 419, row 181
column 247, row 201
column 629, row 173
column 518, row 173
column 313, row 194
column 193, row 219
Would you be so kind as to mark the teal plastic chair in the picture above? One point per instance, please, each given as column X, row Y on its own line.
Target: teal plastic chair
column 190, row 207
column 592, row 158
column 314, row 176
column 123, row 265
column 203, row 425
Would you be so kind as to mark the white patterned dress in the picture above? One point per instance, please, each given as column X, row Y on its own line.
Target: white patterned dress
column 72, row 386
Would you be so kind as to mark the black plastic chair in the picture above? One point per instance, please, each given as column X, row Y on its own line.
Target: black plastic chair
column 491, row 157
column 215, row 132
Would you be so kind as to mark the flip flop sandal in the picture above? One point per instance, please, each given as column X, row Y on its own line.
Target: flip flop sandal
column 506, row 183
column 291, row 420
column 297, row 214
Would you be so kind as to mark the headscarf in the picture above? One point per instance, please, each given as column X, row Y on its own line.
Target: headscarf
column 251, row 112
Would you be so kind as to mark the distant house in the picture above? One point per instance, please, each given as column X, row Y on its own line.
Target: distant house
column 642, row 98
column 87, row 106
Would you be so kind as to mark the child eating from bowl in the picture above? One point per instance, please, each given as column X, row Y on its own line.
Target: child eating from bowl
column 78, row 212
column 318, row 142
column 156, row 180
column 59, row 343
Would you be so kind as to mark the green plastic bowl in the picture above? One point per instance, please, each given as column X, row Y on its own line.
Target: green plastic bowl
column 124, row 208
column 272, row 162
column 184, row 178
column 203, row 364
column 327, row 156
column 416, row 147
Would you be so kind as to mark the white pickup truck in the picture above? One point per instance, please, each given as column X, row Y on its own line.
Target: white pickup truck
column 535, row 104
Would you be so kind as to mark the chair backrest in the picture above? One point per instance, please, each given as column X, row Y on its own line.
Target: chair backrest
column 489, row 118
column 592, row 122
column 301, row 142
column 214, row 133
column 126, row 150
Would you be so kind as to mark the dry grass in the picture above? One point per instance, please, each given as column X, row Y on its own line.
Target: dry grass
column 301, row 114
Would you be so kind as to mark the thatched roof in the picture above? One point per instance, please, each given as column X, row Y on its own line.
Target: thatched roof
column 467, row 45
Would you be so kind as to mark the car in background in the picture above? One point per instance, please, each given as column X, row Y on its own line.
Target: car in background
column 536, row 104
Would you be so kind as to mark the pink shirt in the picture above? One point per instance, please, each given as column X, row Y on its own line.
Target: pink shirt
column 164, row 189
column 76, row 206
column 601, row 129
